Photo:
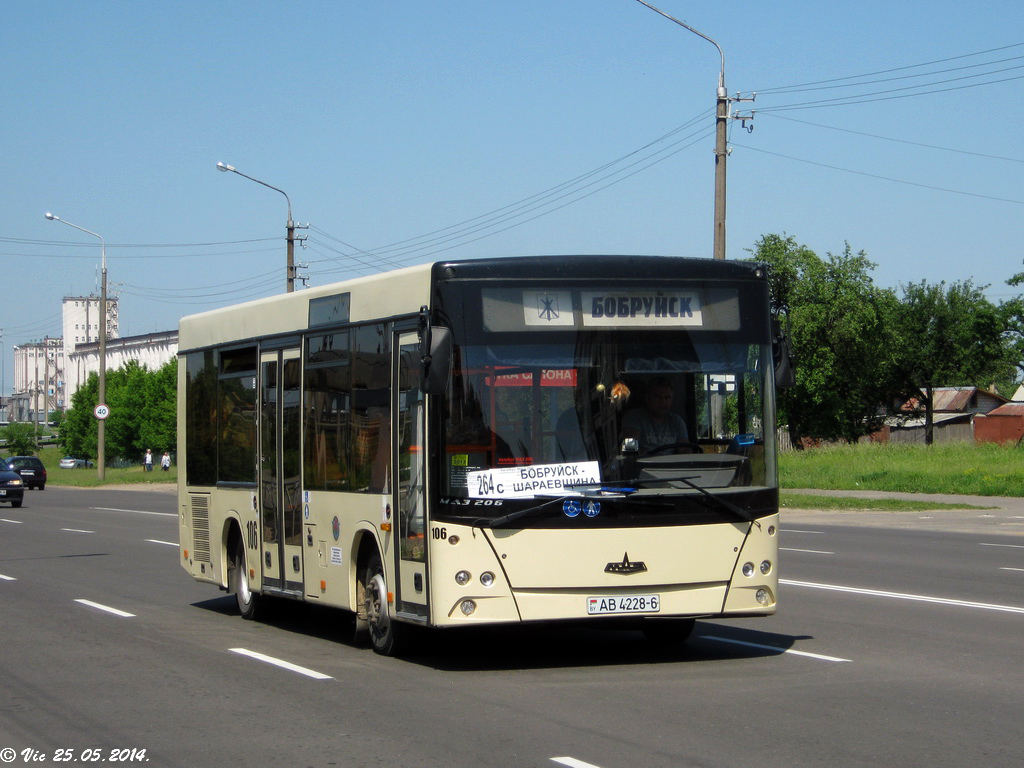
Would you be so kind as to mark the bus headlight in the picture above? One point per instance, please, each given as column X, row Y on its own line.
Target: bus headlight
column 468, row 607
column 487, row 579
column 748, row 569
column 763, row 597
column 462, row 578
column 766, row 567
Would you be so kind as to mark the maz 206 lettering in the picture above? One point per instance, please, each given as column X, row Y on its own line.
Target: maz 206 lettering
column 90, row 755
column 472, row 502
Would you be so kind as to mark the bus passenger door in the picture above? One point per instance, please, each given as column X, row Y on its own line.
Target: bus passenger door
column 280, row 496
column 408, row 488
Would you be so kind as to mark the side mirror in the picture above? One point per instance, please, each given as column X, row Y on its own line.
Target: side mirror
column 782, row 357
column 437, row 364
column 435, row 355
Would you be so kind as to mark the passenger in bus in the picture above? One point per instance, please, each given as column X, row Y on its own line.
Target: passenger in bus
column 655, row 424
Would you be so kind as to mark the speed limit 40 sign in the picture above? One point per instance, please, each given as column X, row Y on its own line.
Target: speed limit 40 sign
column 101, row 411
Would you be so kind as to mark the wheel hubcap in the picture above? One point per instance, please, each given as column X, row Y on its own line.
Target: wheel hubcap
column 376, row 610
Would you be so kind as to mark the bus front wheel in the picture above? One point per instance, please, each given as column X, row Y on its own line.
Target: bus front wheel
column 244, row 596
column 382, row 630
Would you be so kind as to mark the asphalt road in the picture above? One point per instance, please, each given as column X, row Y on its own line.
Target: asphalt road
column 895, row 645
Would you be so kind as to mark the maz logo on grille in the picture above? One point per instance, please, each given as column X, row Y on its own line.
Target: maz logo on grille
column 626, row 566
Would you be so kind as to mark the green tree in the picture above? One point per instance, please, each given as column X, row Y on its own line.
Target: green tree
column 126, row 396
column 951, row 335
column 143, row 410
column 1013, row 321
column 21, row 438
column 841, row 328
column 158, row 428
column 78, row 429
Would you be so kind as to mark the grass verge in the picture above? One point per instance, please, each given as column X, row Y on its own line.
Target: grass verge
column 976, row 469
column 86, row 477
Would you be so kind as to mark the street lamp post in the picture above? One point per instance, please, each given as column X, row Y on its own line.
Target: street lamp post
column 721, row 151
column 102, row 394
column 290, row 273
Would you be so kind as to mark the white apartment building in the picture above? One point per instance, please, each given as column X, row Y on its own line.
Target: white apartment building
column 48, row 373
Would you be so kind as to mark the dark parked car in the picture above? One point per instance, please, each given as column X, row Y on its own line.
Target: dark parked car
column 12, row 488
column 31, row 469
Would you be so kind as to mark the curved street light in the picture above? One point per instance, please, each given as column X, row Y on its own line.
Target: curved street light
column 102, row 394
column 290, row 273
column 721, row 119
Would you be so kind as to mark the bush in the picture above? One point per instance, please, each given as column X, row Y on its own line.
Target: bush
column 21, row 439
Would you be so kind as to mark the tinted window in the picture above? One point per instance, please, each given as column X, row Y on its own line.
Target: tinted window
column 200, row 418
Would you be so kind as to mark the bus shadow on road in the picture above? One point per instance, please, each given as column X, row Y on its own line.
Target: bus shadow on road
column 571, row 645
column 727, row 641
column 289, row 616
column 521, row 647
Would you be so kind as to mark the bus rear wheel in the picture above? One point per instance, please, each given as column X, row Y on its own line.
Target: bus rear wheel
column 247, row 601
column 384, row 633
column 667, row 631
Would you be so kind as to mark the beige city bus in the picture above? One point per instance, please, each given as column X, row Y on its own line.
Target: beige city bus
column 486, row 442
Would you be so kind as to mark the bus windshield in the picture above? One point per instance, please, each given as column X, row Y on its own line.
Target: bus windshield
column 617, row 411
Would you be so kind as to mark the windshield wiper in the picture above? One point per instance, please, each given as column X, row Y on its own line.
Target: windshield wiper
column 735, row 509
column 601, row 489
column 511, row 517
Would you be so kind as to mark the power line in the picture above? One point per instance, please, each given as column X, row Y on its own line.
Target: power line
column 240, row 285
column 139, row 256
column 843, row 101
column 528, row 204
column 898, row 141
column 79, row 244
column 902, row 77
column 883, row 178
column 571, row 192
column 887, row 71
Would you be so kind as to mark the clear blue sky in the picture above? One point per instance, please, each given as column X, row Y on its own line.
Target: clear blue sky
column 479, row 122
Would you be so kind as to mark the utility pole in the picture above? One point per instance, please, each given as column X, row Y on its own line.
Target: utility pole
column 35, row 398
column 290, row 281
column 721, row 154
column 46, row 382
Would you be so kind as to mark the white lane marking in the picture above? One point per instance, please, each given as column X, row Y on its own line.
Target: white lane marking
column 1011, row 569
column 1010, row 546
column 16, row 522
column 283, row 664
column 905, row 596
column 135, row 511
column 106, row 608
column 7, row 578
column 795, row 530
column 76, row 530
column 774, row 648
column 168, row 543
column 572, row 762
column 809, row 551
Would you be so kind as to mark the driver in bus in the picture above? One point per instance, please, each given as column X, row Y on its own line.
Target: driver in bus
column 655, row 425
